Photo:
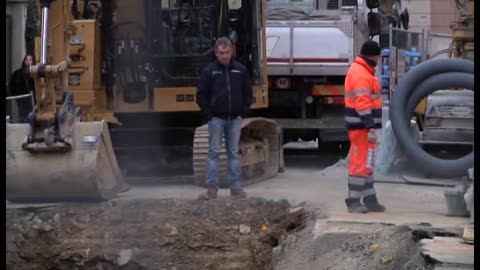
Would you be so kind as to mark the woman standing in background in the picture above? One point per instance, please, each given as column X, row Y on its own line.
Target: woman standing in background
column 20, row 84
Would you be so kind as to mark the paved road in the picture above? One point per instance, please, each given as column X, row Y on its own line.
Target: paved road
column 325, row 188
column 308, row 178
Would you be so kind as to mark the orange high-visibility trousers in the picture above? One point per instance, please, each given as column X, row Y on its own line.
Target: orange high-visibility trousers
column 360, row 178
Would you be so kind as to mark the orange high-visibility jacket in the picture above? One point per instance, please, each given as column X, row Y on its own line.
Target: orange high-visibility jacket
column 363, row 101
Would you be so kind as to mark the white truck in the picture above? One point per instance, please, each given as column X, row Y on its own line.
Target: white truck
column 310, row 45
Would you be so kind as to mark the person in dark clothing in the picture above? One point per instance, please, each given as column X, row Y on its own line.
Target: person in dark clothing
column 224, row 95
column 20, row 84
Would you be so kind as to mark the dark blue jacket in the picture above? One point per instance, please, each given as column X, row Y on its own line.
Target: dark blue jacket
column 224, row 92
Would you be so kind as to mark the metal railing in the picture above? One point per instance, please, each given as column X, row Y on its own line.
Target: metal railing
column 21, row 96
column 401, row 41
column 429, row 44
column 11, row 98
column 437, row 44
column 307, row 5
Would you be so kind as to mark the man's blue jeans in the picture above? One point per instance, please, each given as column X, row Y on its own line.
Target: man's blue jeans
column 216, row 128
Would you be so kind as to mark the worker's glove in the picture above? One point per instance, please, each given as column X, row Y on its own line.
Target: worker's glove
column 372, row 136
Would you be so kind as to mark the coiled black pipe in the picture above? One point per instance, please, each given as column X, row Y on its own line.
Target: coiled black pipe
column 418, row 83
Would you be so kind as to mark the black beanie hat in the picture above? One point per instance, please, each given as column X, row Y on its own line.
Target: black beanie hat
column 370, row 48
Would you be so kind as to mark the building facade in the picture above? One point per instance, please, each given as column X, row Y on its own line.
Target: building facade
column 436, row 15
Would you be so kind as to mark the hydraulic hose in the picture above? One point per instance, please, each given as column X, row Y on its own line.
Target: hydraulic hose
column 430, row 85
column 421, row 81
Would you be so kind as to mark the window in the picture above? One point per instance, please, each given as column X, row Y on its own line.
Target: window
column 334, row 4
column 306, row 5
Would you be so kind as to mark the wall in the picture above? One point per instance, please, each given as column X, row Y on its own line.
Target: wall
column 17, row 9
column 434, row 14
column 420, row 13
column 444, row 13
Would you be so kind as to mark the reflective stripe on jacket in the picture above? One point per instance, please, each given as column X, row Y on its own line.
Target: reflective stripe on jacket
column 363, row 101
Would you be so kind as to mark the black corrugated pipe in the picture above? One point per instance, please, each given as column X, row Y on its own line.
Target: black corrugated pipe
column 418, row 83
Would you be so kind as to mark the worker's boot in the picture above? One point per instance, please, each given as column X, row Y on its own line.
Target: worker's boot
column 210, row 194
column 372, row 204
column 238, row 192
column 355, row 206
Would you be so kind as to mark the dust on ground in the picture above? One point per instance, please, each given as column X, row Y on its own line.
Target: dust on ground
column 378, row 246
column 225, row 233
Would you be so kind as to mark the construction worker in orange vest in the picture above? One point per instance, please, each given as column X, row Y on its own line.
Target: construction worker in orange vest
column 363, row 115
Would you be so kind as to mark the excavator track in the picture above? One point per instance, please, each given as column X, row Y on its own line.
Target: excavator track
column 260, row 149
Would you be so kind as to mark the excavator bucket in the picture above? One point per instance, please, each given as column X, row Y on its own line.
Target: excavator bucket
column 260, row 148
column 87, row 172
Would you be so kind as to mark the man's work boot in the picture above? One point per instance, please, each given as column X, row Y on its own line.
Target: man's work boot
column 238, row 192
column 355, row 206
column 210, row 194
column 372, row 204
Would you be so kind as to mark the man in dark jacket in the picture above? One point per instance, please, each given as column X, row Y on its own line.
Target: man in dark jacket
column 21, row 84
column 224, row 94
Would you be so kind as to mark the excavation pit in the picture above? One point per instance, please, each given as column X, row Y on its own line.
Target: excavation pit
column 225, row 233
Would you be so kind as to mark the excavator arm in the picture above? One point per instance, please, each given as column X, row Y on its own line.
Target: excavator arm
column 50, row 128
column 55, row 156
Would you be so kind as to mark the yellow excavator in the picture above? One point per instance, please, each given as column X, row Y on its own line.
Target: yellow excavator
column 56, row 156
column 115, row 93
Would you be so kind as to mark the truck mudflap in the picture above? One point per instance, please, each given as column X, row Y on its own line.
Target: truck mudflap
column 87, row 172
column 260, row 148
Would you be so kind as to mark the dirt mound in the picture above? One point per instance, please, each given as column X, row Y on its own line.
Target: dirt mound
column 392, row 248
column 224, row 233
column 382, row 247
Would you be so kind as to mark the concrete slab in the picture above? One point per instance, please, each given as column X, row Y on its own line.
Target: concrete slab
column 399, row 218
column 326, row 227
column 452, row 268
column 10, row 205
column 393, row 179
column 432, row 182
column 449, row 251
